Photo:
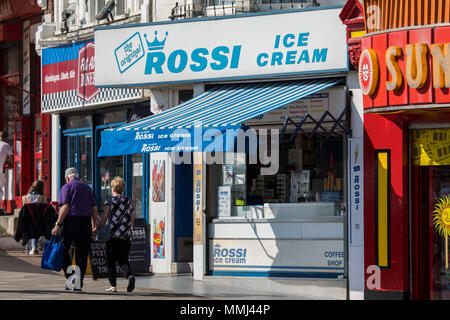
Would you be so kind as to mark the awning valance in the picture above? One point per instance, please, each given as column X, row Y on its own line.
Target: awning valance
column 191, row 125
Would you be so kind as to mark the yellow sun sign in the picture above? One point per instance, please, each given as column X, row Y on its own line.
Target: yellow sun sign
column 441, row 216
column 441, row 221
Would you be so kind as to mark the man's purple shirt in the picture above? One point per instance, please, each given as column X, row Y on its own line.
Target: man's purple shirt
column 79, row 196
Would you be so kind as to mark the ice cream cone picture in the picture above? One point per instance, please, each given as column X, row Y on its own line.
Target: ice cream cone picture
column 158, row 173
column 441, row 221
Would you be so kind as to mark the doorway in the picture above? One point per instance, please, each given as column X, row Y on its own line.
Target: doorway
column 430, row 214
column 78, row 154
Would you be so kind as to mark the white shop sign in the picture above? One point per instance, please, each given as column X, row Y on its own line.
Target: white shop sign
column 263, row 255
column 251, row 46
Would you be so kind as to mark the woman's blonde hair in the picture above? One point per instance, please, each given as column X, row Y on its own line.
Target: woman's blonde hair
column 118, row 185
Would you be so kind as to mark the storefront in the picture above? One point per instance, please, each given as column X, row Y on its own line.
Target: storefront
column 274, row 205
column 404, row 75
column 20, row 114
column 80, row 112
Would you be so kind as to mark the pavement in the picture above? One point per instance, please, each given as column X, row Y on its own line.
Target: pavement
column 21, row 278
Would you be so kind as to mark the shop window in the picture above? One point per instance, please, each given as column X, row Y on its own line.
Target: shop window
column 137, row 184
column 76, row 122
column 309, row 182
column 112, row 117
column 11, row 60
column 185, row 95
column 110, row 167
column 382, row 189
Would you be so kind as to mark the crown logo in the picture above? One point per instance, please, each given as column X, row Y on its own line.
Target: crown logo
column 156, row 44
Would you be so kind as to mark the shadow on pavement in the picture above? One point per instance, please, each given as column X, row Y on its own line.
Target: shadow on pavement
column 25, row 264
column 87, row 293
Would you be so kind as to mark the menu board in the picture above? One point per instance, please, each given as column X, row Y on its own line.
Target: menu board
column 315, row 105
column 139, row 256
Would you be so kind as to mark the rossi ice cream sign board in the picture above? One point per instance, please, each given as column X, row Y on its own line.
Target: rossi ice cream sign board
column 263, row 45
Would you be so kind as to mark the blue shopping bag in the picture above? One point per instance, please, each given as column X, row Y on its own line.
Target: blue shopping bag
column 53, row 256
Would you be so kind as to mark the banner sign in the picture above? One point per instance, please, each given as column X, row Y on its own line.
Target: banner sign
column 68, row 79
column 356, row 191
column 294, row 42
column 198, row 198
column 167, row 140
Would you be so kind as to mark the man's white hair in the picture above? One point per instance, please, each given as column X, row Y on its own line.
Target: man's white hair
column 71, row 173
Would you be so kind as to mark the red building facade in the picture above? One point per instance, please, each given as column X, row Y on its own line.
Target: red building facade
column 404, row 74
column 28, row 130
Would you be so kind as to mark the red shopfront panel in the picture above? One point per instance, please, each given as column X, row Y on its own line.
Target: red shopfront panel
column 423, row 95
column 380, row 47
column 366, row 43
column 400, row 96
column 23, row 174
column 441, row 36
column 42, row 150
column 394, row 278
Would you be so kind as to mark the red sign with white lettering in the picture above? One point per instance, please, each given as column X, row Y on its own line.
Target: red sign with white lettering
column 86, row 72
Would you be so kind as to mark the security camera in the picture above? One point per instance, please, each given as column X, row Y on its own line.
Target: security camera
column 106, row 11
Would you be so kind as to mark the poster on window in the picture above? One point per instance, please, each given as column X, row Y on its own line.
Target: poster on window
column 158, row 180
column 158, row 230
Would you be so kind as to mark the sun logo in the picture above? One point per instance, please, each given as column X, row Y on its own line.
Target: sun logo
column 441, row 220
column 441, row 216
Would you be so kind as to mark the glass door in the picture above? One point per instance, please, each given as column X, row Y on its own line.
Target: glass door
column 430, row 223
column 78, row 154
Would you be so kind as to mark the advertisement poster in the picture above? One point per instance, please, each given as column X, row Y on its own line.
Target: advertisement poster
column 224, row 201
column 158, row 238
column 431, row 147
column 158, row 180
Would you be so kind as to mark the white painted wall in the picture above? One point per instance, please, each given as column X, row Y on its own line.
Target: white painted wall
column 165, row 210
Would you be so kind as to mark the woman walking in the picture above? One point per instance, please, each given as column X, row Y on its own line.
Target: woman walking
column 119, row 213
column 35, row 195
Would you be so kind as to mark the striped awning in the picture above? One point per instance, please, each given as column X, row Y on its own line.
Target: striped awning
column 223, row 107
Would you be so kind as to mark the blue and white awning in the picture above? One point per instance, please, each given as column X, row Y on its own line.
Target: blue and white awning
column 224, row 107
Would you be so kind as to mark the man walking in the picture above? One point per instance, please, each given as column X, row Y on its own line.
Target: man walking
column 78, row 211
column 5, row 156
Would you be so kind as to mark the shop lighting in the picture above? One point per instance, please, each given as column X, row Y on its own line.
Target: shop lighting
column 106, row 11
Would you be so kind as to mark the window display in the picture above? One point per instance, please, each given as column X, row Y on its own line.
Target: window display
column 309, row 182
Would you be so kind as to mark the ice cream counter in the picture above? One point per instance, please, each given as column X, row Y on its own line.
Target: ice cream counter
column 288, row 240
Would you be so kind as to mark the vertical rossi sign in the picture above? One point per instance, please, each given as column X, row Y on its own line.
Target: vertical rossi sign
column 198, row 198
column 356, row 191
